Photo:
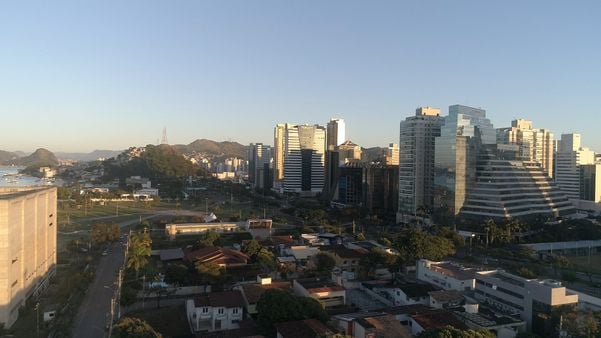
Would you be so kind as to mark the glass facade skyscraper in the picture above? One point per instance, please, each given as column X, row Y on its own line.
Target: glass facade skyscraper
column 465, row 129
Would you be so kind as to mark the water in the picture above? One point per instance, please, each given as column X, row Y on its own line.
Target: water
column 10, row 177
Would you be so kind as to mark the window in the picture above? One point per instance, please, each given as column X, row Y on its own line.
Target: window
column 205, row 310
column 235, row 311
column 220, row 311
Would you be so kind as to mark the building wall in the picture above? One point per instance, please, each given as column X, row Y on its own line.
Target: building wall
column 424, row 273
column 416, row 161
column 27, row 246
column 213, row 318
column 570, row 156
column 590, row 182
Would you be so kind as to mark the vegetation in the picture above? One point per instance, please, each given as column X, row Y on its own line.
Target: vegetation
column 208, row 239
column 413, row 244
column 129, row 327
column 139, row 251
column 102, row 233
column 581, row 324
column 374, row 260
column 451, row 332
column 526, row 273
column 277, row 306
column 209, row 272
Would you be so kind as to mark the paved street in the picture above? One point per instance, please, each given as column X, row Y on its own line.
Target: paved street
column 92, row 317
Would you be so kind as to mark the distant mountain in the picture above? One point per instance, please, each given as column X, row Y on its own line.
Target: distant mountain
column 87, row 157
column 6, row 157
column 40, row 158
column 226, row 148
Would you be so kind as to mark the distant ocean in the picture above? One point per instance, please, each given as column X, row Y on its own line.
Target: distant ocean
column 10, row 177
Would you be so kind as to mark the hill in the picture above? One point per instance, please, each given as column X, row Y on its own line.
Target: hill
column 226, row 148
column 87, row 157
column 6, row 157
column 40, row 158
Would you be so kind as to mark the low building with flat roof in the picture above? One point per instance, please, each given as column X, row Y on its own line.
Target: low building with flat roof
column 446, row 275
column 325, row 291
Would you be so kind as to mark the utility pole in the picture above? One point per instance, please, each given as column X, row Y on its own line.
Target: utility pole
column 37, row 319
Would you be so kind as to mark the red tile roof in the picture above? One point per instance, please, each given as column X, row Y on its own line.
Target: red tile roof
column 308, row 328
column 228, row 299
column 217, row 255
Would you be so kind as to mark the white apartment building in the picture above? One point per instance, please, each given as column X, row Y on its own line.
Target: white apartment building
column 215, row 311
column 532, row 300
column 446, row 275
column 568, row 159
column 416, row 160
column 300, row 155
column 28, row 223
column 535, row 145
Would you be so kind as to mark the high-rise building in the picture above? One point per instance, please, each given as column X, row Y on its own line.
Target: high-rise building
column 464, row 130
column 508, row 187
column 260, row 166
column 278, row 154
column 392, row 154
column 28, row 223
column 416, row 160
column 568, row 159
column 335, row 133
column 302, row 151
column 535, row 145
column 590, row 182
column 381, row 189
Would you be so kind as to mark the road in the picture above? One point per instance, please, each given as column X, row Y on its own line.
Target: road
column 93, row 313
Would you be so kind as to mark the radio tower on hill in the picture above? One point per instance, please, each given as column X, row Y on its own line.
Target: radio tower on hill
column 164, row 139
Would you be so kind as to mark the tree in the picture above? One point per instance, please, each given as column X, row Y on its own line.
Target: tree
column 129, row 327
column 581, row 324
column 252, row 248
column 526, row 273
column 413, row 244
column 209, row 272
column 451, row 332
column 375, row 259
column 140, row 249
column 324, row 263
column 103, row 232
column 558, row 262
column 265, row 260
column 177, row 273
column 208, row 239
column 278, row 306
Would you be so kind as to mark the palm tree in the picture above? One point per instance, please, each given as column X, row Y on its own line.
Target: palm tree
column 139, row 251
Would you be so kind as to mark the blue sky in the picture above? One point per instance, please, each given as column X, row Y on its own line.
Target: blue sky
column 84, row 75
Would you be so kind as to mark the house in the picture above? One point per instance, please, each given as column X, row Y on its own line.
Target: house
column 347, row 260
column 370, row 324
column 325, row 291
column 446, row 275
column 331, row 239
column 446, row 299
column 215, row 311
column 223, row 257
column 253, row 292
column 301, row 253
column 484, row 318
column 308, row 328
column 434, row 319
column 168, row 255
column 402, row 294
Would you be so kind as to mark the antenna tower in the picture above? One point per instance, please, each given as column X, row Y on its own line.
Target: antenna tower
column 164, row 139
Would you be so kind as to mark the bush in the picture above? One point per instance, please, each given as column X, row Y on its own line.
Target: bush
column 526, row 273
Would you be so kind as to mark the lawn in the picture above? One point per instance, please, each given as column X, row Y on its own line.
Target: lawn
column 584, row 262
column 169, row 321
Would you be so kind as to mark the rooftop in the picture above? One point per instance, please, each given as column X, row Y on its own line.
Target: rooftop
column 447, row 296
column 438, row 320
column 7, row 193
column 253, row 292
column 453, row 270
column 319, row 285
column 308, row 328
column 228, row 299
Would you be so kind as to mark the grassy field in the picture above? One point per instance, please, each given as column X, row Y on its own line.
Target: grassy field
column 584, row 262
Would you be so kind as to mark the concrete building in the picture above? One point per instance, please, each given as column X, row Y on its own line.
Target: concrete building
column 416, row 161
column 446, row 275
column 534, row 301
column 28, row 222
column 300, row 153
column 260, row 171
column 336, row 133
column 568, row 159
column 349, row 152
column 535, row 145
column 324, row 291
column 506, row 187
column 465, row 129
column 392, row 154
column 590, row 182
column 279, row 133
column 215, row 311
column 381, row 189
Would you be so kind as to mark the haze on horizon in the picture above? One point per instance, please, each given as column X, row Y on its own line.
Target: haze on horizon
column 78, row 76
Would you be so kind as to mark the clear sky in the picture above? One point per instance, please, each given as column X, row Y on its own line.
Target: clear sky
column 84, row 75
